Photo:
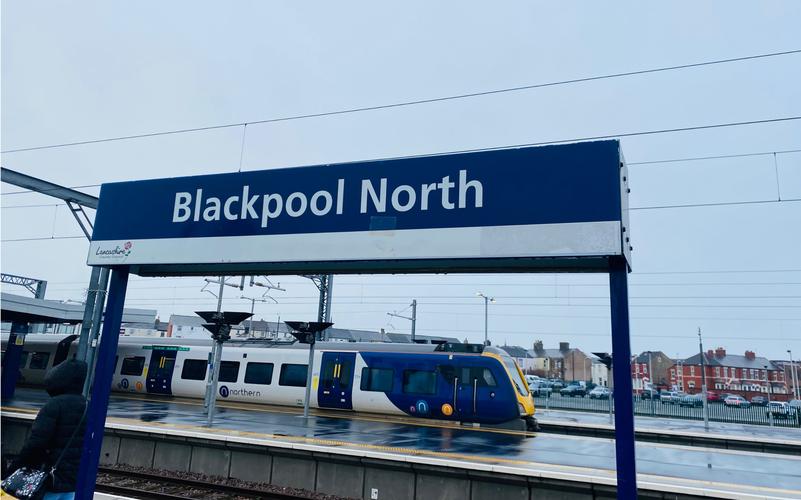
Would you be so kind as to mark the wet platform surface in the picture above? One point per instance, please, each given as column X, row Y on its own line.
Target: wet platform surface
column 776, row 476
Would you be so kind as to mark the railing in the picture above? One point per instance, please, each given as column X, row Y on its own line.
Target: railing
column 718, row 412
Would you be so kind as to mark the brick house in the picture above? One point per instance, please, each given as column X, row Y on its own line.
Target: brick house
column 747, row 375
column 566, row 363
column 651, row 369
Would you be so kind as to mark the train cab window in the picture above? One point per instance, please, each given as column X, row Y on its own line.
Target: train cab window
column 194, row 369
column 293, row 375
column 482, row 376
column 229, row 371
column 419, row 382
column 259, row 373
column 132, row 365
column 377, row 379
column 39, row 360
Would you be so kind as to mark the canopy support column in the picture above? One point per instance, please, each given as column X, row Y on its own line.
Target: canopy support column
column 621, row 373
column 104, row 370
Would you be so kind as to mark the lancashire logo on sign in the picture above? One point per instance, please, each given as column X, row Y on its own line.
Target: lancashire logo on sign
column 116, row 252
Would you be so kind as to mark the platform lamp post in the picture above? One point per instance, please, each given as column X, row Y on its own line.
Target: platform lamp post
column 487, row 300
column 307, row 333
column 219, row 324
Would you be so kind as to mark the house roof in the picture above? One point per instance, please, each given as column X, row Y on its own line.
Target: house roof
column 182, row 320
column 548, row 353
column 516, row 351
column 731, row 360
column 643, row 357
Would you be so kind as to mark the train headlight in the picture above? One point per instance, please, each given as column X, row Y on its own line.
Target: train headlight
column 522, row 409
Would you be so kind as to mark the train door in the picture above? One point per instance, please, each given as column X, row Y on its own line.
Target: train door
column 159, row 373
column 336, row 380
column 476, row 391
column 63, row 349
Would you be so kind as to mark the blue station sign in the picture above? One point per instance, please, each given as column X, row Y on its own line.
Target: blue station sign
column 489, row 210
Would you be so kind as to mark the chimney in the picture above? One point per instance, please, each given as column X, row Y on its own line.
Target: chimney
column 720, row 352
column 538, row 347
column 564, row 346
column 710, row 354
column 750, row 355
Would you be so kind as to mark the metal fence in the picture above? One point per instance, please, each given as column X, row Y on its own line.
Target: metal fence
column 718, row 412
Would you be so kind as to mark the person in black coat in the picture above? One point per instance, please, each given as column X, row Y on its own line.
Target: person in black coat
column 55, row 424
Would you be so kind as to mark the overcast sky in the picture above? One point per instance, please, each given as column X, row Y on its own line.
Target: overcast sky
column 92, row 70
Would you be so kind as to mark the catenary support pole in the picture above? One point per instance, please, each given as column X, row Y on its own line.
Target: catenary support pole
column 621, row 374
column 414, row 319
column 94, row 331
column 96, row 413
column 704, row 402
column 88, row 314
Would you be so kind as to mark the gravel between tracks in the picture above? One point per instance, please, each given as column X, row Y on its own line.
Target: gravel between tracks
column 115, row 477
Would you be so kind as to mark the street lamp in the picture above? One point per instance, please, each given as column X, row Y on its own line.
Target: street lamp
column 793, row 375
column 487, row 300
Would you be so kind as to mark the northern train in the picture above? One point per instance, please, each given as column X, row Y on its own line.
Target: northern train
column 465, row 383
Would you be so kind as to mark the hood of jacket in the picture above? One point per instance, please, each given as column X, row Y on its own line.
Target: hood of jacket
column 66, row 378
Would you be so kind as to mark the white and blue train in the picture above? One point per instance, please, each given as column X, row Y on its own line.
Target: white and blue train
column 457, row 382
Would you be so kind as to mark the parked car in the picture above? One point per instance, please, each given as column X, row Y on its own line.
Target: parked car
column 759, row 401
column 736, row 401
column 600, row 393
column 779, row 409
column 573, row 391
column 713, row 397
column 671, row 397
column 795, row 404
column 650, row 394
column 557, row 384
column 532, row 379
column 541, row 388
column 692, row 400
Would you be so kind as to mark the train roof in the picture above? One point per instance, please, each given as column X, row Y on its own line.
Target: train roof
column 268, row 344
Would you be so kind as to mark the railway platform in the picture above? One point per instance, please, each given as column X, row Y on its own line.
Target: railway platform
column 353, row 455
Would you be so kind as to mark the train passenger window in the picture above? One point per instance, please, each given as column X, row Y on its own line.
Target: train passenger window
column 377, row 379
column 345, row 374
column 132, row 365
column 39, row 360
column 259, row 373
column 482, row 376
column 23, row 360
column 419, row 382
column 229, row 371
column 293, row 375
column 194, row 369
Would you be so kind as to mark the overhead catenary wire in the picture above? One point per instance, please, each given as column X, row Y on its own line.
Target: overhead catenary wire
column 413, row 102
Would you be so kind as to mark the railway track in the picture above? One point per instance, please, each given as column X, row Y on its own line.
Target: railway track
column 158, row 486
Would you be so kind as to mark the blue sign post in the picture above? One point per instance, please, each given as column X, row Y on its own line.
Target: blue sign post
column 546, row 209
